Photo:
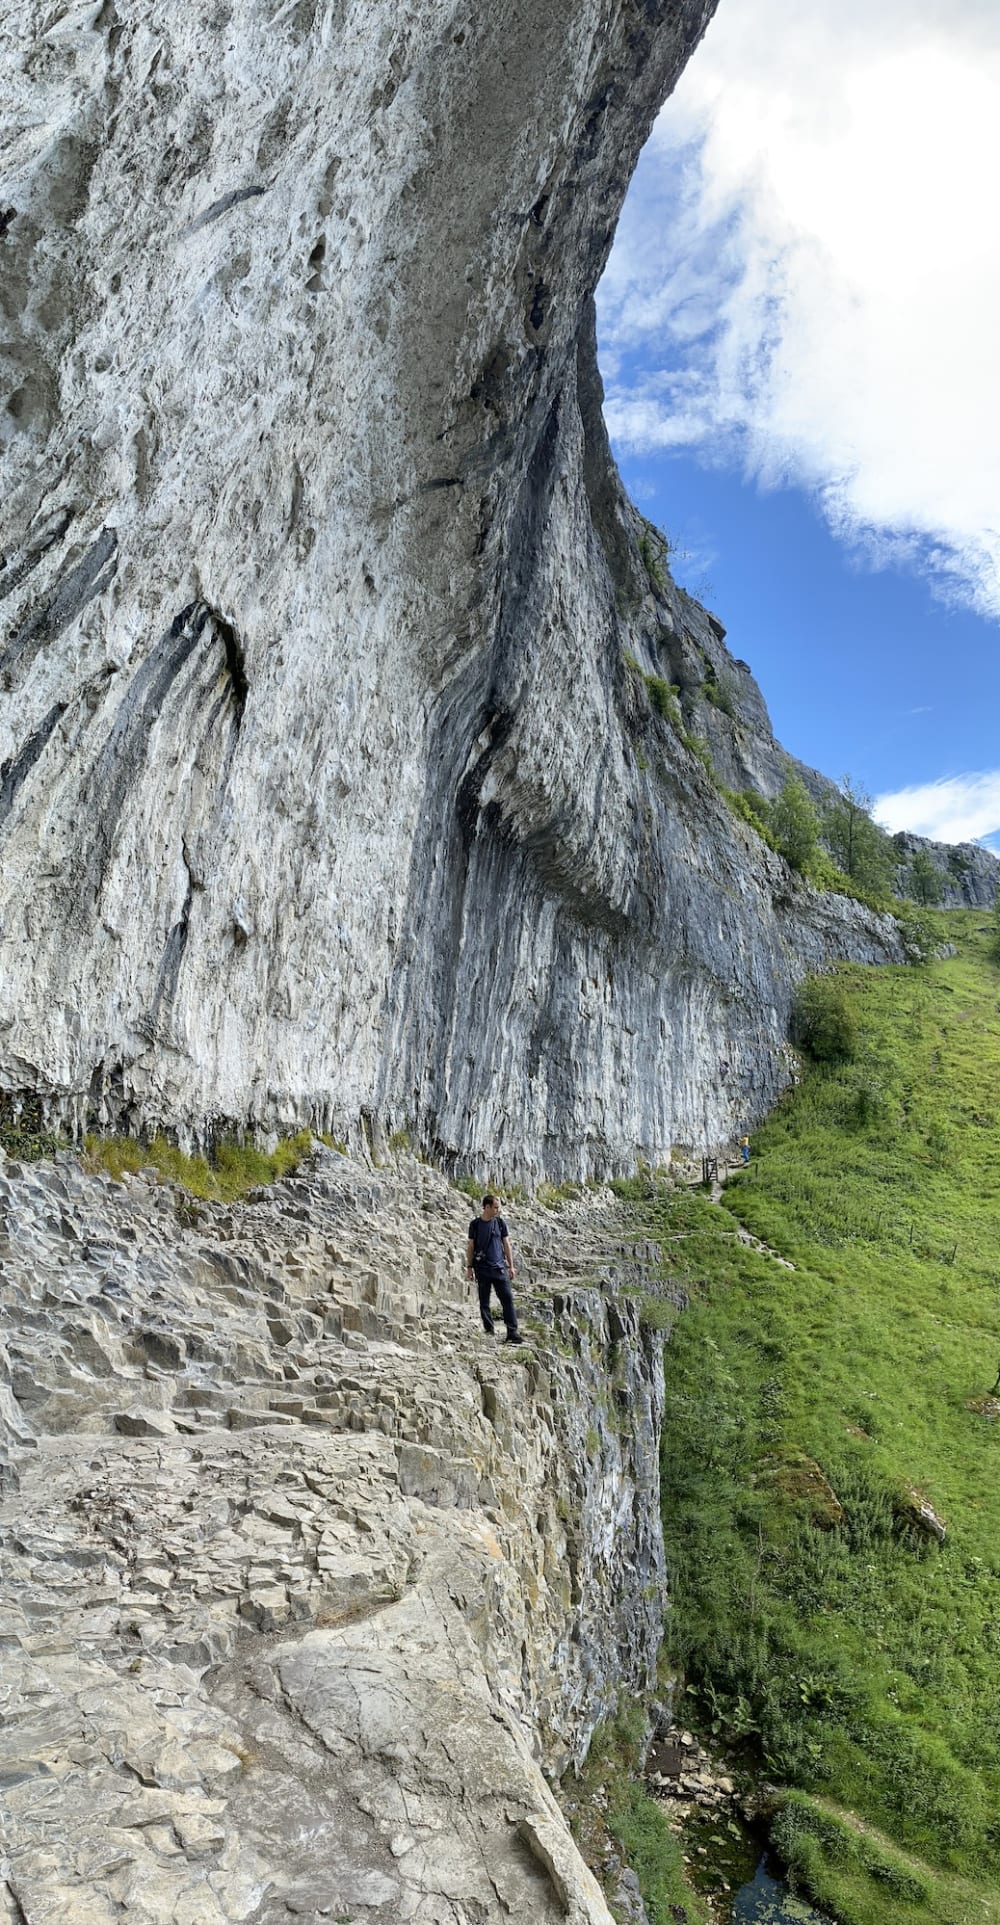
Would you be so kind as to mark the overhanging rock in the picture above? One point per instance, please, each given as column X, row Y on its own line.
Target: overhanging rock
column 327, row 785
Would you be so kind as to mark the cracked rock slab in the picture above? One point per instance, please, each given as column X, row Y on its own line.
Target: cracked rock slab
column 254, row 1672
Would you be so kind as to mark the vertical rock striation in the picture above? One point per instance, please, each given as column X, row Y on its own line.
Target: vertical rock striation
column 326, row 786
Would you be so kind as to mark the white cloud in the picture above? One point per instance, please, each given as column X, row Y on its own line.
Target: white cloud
column 957, row 808
column 807, row 274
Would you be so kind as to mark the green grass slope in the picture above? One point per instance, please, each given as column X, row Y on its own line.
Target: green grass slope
column 849, row 1657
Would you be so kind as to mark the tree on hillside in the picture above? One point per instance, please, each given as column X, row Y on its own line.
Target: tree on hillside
column 925, row 879
column 794, row 824
column 856, row 843
column 823, row 1021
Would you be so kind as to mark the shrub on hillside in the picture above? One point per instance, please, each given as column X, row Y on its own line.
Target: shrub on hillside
column 925, row 881
column 794, row 824
column 866, row 1100
column 918, row 930
column 823, row 1022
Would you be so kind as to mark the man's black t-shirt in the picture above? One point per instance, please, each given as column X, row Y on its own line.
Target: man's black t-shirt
column 487, row 1244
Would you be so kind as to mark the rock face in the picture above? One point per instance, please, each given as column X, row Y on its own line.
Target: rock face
column 309, row 1589
column 327, row 786
column 968, row 875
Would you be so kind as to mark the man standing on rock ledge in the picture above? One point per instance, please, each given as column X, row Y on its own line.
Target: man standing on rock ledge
column 488, row 1257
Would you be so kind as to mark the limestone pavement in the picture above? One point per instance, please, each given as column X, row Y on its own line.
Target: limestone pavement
column 310, row 1591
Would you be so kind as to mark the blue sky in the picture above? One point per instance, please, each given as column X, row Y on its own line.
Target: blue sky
column 798, row 338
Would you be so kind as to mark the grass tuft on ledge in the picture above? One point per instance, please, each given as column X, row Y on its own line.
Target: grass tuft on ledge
column 232, row 1171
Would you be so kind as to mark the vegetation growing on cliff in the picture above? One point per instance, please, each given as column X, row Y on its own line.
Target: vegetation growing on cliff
column 232, row 1171
column 825, row 1424
column 926, row 882
column 614, row 1820
column 837, row 848
column 861, row 850
column 22, row 1128
column 654, row 548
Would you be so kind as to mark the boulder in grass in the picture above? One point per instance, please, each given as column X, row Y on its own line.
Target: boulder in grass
column 805, row 1484
column 914, row 1512
column 988, row 1407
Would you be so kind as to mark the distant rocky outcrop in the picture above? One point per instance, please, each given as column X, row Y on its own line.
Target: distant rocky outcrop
column 747, row 756
column 337, row 782
column 312, row 1593
column 968, row 875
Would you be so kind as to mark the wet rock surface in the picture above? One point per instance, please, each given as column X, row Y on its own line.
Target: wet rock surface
column 309, row 1588
column 682, row 1775
column 718, row 1827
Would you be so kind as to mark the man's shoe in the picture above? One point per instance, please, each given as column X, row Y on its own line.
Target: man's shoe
column 514, row 1336
column 489, row 1334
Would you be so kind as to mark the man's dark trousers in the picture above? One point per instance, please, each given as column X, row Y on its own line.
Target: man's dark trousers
column 498, row 1280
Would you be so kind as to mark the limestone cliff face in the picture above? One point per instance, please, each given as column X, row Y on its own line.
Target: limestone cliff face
column 326, row 786
column 311, row 1593
column 968, row 876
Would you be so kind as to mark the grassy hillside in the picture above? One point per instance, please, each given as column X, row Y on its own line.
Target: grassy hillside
column 825, row 1633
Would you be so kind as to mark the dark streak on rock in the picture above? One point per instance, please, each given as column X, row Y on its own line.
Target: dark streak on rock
column 18, row 1914
column 539, row 303
column 123, row 756
column 89, row 577
column 222, row 206
column 473, row 852
column 600, row 475
column 442, row 481
column 13, row 573
column 13, row 772
column 173, row 955
column 235, row 660
column 124, row 751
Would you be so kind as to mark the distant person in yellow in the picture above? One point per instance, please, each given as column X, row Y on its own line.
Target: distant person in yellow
column 745, row 1149
column 490, row 1259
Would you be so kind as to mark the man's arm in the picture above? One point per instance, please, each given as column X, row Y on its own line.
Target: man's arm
column 508, row 1254
column 470, row 1251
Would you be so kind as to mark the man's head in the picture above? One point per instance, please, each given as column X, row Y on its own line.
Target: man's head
column 491, row 1204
